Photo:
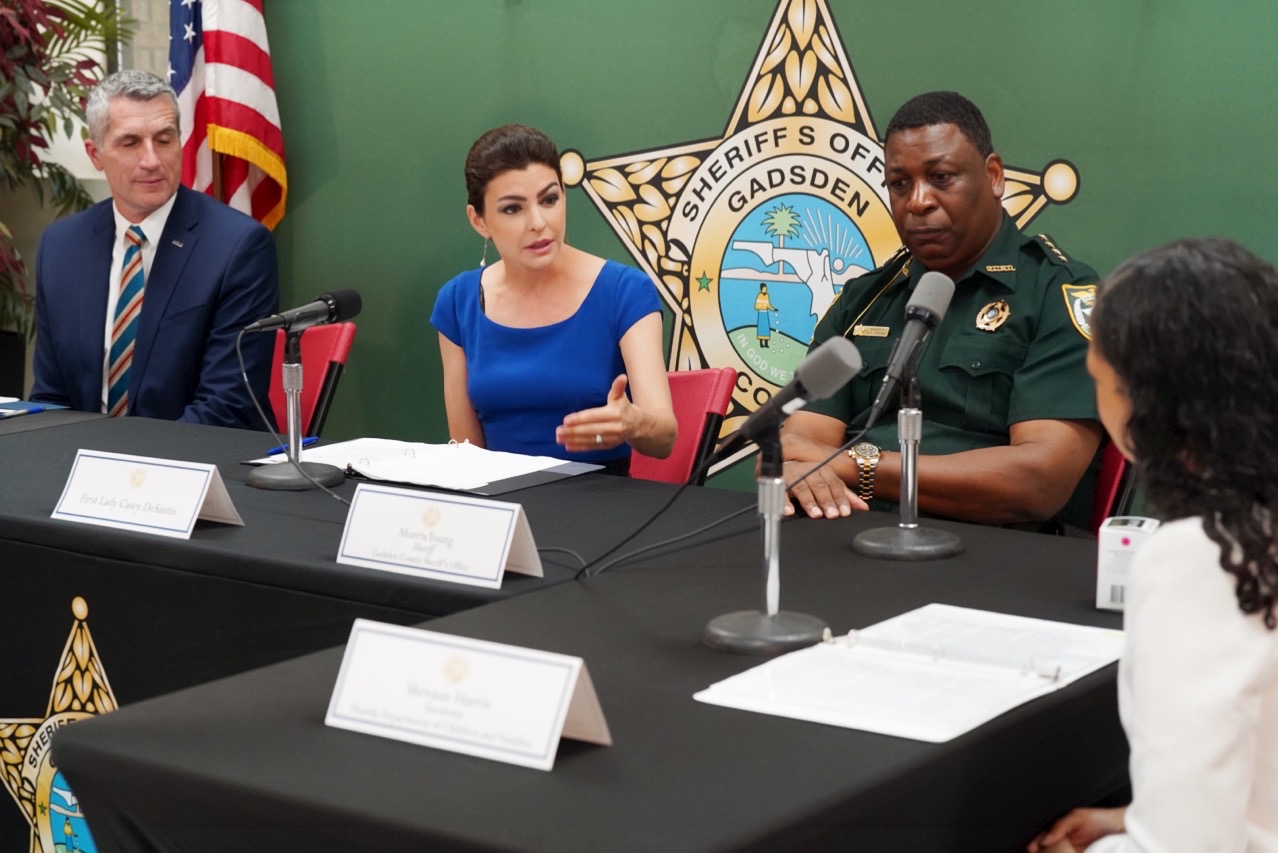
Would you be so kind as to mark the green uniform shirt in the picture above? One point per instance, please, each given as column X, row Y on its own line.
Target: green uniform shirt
column 974, row 383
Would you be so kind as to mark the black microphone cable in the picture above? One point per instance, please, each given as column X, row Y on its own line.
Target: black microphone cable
column 584, row 571
column 598, row 568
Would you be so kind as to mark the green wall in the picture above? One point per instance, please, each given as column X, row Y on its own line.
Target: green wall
column 1165, row 106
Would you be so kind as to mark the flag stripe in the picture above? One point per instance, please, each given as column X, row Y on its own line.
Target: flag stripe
column 240, row 17
column 235, row 116
column 238, row 52
column 220, row 62
column 227, row 84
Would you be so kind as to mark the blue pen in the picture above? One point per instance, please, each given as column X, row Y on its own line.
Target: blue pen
column 306, row 442
column 29, row 410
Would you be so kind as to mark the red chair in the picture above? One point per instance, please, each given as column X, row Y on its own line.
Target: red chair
column 700, row 399
column 324, row 352
column 1113, row 487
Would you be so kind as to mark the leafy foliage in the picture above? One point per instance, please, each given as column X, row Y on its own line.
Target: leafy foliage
column 781, row 221
column 47, row 68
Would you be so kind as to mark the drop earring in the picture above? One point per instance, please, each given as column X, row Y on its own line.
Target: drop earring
column 483, row 261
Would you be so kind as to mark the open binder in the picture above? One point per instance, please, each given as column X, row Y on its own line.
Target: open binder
column 930, row 674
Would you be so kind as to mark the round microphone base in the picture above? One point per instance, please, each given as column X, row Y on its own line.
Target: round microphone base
column 750, row 632
column 907, row 543
column 282, row 476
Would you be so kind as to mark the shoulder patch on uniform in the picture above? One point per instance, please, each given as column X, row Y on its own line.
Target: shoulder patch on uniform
column 1079, row 300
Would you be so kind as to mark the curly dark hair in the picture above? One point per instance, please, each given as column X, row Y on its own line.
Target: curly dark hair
column 511, row 146
column 1191, row 329
column 944, row 108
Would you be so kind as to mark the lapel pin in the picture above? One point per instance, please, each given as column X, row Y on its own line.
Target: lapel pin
column 177, row 243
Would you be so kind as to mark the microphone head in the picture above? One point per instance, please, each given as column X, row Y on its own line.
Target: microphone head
column 931, row 298
column 343, row 304
column 829, row 367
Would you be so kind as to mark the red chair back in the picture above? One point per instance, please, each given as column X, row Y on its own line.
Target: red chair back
column 1111, row 493
column 700, row 399
column 324, row 352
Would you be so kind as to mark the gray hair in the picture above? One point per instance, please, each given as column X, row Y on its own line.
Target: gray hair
column 128, row 83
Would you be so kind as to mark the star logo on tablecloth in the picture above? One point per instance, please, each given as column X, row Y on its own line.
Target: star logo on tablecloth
column 80, row 690
column 780, row 210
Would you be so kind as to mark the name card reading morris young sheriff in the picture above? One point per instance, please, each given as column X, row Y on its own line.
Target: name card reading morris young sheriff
column 489, row 700
column 443, row 537
column 143, row 493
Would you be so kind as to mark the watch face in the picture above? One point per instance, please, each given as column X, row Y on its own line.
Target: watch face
column 865, row 450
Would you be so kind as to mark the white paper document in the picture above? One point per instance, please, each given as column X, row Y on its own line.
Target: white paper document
column 445, row 466
column 930, row 674
column 489, row 700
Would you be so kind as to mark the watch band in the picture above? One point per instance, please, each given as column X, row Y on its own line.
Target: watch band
column 866, row 456
column 865, row 483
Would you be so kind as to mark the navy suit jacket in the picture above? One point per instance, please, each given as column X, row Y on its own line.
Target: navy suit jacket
column 214, row 273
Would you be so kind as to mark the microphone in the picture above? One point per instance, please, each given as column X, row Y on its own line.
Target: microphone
column 336, row 307
column 826, row 369
column 923, row 313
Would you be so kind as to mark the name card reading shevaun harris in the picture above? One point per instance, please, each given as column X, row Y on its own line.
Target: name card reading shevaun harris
column 144, row 494
column 450, row 538
column 489, row 700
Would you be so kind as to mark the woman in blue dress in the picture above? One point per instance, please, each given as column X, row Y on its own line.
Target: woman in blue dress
column 550, row 351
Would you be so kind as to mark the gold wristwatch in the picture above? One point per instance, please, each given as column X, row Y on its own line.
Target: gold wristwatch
column 866, row 456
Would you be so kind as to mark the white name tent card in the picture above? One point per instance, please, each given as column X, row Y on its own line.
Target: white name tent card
column 142, row 493
column 443, row 537
column 930, row 674
column 489, row 700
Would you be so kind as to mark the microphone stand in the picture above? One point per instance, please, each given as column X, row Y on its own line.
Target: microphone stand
column 771, row 630
column 908, row 541
column 288, row 476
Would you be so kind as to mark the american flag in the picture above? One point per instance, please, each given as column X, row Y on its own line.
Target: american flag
column 220, row 66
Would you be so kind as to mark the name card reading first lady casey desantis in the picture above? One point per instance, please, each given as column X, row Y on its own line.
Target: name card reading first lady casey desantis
column 489, row 700
column 442, row 537
column 141, row 493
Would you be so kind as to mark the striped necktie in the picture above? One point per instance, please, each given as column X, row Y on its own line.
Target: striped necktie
column 125, row 327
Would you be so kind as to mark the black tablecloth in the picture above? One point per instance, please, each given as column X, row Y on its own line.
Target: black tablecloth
column 44, row 420
column 290, row 538
column 247, row 764
column 163, row 614
column 261, row 579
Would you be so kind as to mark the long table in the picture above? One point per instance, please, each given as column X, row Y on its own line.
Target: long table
column 247, row 764
column 86, row 609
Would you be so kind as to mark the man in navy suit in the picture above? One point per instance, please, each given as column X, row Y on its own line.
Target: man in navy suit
column 209, row 271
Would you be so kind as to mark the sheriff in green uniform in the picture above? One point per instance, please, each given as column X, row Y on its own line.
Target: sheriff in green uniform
column 1009, row 412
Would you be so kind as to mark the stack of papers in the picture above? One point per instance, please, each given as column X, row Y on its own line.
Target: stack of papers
column 444, row 466
column 930, row 674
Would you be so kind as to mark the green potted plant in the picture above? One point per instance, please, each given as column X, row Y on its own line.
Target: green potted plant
column 48, row 64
